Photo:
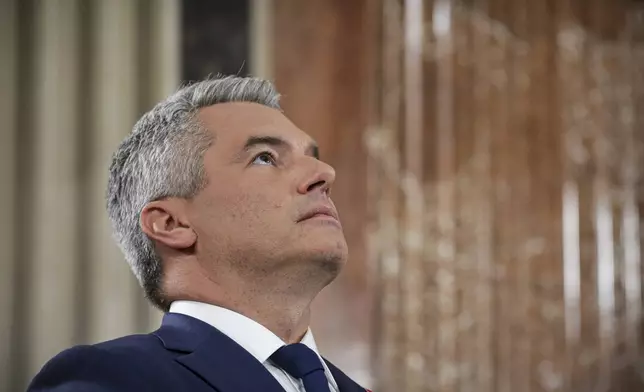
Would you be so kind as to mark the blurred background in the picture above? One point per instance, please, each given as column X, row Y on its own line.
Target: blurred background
column 489, row 157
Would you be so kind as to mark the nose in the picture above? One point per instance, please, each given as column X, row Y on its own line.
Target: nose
column 320, row 177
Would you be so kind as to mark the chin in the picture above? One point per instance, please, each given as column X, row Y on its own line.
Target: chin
column 325, row 266
column 334, row 257
column 328, row 256
column 326, row 247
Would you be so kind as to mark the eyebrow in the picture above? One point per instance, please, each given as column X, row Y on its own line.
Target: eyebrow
column 277, row 142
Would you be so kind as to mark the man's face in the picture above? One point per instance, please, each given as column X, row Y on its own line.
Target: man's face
column 266, row 207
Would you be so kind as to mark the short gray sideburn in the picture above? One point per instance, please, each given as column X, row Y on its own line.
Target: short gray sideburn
column 163, row 157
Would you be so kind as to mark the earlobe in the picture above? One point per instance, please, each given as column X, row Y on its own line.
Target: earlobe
column 164, row 222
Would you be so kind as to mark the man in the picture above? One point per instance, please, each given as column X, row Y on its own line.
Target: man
column 221, row 206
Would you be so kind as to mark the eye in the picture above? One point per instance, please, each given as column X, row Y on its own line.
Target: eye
column 264, row 158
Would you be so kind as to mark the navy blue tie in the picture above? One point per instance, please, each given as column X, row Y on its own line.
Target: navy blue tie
column 301, row 362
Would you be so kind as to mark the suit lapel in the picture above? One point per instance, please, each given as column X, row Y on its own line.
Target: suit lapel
column 345, row 384
column 214, row 357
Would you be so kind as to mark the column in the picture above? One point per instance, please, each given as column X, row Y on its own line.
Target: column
column 261, row 33
column 115, row 80
column 8, row 94
column 52, row 238
column 132, row 67
column 163, row 71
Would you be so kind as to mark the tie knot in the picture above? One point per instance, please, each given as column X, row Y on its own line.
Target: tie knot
column 297, row 360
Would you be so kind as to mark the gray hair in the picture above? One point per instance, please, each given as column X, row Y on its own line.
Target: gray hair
column 163, row 157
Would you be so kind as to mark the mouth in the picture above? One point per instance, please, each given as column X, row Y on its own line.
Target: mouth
column 321, row 213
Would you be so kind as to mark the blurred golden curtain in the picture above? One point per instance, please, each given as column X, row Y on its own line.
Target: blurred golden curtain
column 505, row 156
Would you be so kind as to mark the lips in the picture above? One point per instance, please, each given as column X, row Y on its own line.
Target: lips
column 320, row 210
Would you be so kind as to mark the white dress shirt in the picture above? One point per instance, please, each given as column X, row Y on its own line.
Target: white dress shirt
column 253, row 337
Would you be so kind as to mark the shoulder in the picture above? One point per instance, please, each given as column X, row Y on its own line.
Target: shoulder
column 132, row 345
column 123, row 364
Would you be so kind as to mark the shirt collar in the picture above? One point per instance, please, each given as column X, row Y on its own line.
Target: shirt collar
column 258, row 340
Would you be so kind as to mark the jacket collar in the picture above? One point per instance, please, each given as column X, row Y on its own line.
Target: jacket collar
column 209, row 354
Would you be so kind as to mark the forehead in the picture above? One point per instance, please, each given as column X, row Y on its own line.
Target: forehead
column 233, row 123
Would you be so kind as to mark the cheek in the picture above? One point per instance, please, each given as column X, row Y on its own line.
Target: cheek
column 259, row 207
column 239, row 218
column 246, row 206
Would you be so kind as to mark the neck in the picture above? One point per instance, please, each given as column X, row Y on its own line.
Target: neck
column 284, row 312
column 287, row 317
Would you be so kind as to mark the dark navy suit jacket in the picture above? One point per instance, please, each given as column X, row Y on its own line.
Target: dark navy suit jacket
column 185, row 354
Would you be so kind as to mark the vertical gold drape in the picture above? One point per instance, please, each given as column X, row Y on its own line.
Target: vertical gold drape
column 505, row 155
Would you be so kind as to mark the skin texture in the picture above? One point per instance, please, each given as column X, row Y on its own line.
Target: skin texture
column 242, row 242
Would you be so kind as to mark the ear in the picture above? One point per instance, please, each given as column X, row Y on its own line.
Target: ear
column 165, row 222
